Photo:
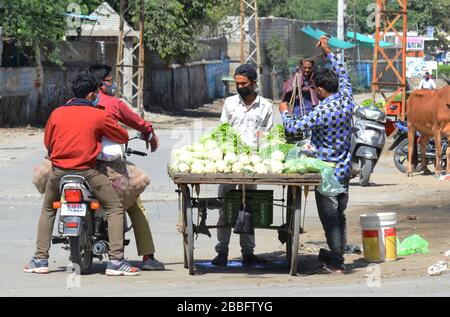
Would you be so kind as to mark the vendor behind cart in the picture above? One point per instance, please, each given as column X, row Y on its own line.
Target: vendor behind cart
column 330, row 123
column 250, row 115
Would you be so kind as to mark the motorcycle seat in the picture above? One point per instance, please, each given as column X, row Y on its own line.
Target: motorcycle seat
column 72, row 178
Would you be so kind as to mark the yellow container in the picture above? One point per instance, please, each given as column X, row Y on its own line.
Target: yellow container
column 379, row 234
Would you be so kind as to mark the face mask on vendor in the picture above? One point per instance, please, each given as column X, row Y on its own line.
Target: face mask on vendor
column 244, row 92
column 109, row 86
column 244, row 86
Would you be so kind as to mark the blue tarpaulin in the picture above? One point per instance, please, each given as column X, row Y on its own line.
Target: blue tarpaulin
column 333, row 42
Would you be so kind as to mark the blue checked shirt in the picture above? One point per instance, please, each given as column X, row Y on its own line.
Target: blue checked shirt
column 330, row 123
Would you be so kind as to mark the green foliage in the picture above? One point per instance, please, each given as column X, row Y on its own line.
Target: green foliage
column 229, row 140
column 420, row 13
column 39, row 24
column 426, row 13
column 369, row 102
column 171, row 26
column 277, row 54
column 444, row 70
column 299, row 9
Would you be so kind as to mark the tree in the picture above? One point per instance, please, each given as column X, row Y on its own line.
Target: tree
column 171, row 26
column 299, row 9
column 39, row 24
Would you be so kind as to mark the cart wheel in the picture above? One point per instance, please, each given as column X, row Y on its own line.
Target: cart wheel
column 294, row 200
column 188, row 235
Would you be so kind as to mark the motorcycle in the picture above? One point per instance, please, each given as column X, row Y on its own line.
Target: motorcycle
column 400, row 148
column 82, row 223
column 368, row 140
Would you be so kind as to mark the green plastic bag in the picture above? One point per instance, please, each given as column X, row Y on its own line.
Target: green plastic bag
column 330, row 185
column 414, row 244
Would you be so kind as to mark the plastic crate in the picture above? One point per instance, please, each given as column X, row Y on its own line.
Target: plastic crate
column 259, row 201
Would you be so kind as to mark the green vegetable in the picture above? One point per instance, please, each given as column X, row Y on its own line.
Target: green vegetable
column 229, row 140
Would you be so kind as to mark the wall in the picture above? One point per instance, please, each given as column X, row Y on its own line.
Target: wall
column 175, row 87
column 18, row 96
column 167, row 87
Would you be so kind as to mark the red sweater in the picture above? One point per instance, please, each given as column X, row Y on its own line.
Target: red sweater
column 121, row 112
column 73, row 135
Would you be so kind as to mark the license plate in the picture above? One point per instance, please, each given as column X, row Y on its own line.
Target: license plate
column 73, row 210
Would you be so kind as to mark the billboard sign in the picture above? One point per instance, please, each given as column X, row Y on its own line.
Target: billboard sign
column 415, row 43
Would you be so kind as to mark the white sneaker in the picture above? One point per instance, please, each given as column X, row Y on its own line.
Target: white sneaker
column 152, row 265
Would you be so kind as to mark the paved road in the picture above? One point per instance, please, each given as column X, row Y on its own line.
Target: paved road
column 19, row 208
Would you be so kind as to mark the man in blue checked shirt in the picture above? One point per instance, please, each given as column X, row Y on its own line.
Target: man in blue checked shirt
column 330, row 123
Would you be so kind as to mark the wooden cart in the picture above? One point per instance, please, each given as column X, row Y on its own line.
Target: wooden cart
column 294, row 183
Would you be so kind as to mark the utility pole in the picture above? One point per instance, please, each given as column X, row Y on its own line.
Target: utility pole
column 355, row 48
column 340, row 20
column 128, row 52
column 140, row 104
column 249, row 13
column 340, row 24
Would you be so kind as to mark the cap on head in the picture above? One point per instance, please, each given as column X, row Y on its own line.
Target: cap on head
column 248, row 71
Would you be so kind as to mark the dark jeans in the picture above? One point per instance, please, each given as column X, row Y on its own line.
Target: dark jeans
column 331, row 213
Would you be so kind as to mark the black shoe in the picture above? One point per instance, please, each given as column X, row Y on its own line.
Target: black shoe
column 324, row 255
column 249, row 259
column 220, row 260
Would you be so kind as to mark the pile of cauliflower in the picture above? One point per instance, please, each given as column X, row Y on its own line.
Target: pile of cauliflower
column 207, row 157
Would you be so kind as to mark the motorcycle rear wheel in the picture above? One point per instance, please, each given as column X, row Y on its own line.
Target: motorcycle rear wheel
column 80, row 248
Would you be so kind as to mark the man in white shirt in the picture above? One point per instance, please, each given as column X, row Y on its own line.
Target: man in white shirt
column 427, row 82
column 250, row 115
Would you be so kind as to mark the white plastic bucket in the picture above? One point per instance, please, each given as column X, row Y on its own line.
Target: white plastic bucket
column 379, row 234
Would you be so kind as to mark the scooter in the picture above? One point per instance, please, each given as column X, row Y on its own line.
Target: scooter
column 368, row 140
column 400, row 148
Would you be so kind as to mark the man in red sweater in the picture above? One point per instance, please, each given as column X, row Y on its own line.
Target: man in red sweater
column 73, row 139
column 122, row 113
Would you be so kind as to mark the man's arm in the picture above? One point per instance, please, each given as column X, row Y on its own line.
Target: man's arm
column 224, row 116
column 297, row 126
column 345, row 88
column 113, row 131
column 133, row 120
column 48, row 134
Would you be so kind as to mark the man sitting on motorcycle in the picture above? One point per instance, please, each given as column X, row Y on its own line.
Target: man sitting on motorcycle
column 73, row 137
column 122, row 113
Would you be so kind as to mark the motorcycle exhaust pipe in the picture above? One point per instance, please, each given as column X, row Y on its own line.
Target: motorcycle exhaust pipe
column 99, row 248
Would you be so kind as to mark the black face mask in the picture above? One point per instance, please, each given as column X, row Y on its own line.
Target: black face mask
column 244, row 92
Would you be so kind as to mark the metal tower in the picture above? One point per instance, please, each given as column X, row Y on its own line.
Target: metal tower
column 391, row 16
column 249, row 13
column 127, row 69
